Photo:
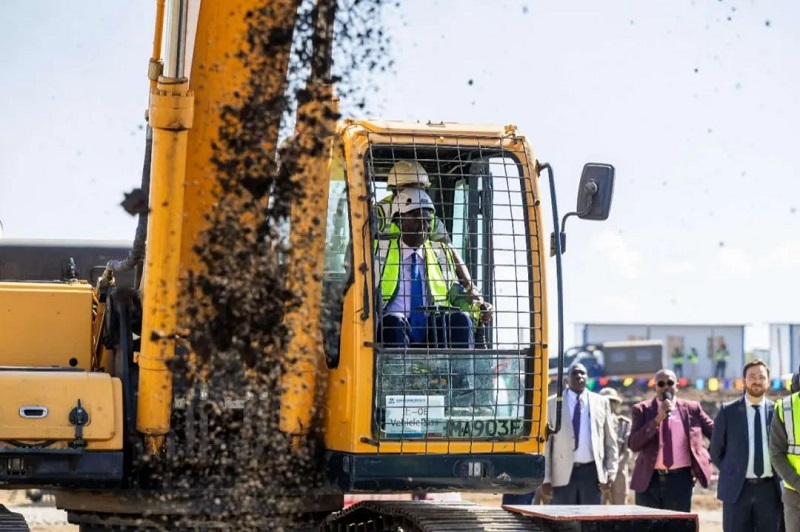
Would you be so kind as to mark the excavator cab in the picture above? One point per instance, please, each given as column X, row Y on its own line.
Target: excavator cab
column 439, row 414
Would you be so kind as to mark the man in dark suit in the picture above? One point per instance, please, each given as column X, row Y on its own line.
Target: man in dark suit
column 748, row 487
column 668, row 435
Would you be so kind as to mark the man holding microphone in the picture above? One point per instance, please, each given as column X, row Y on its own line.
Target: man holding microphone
column 668, row 435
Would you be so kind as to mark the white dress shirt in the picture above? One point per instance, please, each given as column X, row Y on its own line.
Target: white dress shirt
column 751, row 418
column 583, row 454
column 401, row 304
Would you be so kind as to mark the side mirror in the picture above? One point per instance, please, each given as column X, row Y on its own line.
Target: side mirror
column 596, row 191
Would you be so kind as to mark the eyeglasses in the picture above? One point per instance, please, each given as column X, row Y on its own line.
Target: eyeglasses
column 670, row 382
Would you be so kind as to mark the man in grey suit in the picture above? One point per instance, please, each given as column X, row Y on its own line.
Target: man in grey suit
column 748, row 487
column 581, row 459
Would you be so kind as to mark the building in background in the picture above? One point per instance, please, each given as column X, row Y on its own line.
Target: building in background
column 706, row 339
column 784, row 348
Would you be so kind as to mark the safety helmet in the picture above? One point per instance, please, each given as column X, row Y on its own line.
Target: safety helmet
column 610, row 394
column 405, row 173
column 410, row 199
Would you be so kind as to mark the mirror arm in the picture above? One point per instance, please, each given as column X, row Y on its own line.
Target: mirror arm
column 591, row 189
column 560, row 293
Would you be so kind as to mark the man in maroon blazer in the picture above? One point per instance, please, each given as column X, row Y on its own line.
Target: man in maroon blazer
column 668, row 435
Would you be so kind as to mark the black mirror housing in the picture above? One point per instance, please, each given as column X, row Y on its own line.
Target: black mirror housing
column 596, row 191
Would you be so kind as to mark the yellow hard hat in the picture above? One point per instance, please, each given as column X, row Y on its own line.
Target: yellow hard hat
column 405, row 172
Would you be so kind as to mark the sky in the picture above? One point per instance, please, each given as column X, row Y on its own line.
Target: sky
column 693, row 102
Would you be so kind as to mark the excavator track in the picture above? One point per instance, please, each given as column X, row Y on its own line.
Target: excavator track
column 419, row 516
column 12, row 522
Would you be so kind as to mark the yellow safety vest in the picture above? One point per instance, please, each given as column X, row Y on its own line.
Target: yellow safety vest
column 791, row 422
column 381, row 213
column 437, row 279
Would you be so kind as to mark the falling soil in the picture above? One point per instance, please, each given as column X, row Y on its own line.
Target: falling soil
column 236, row 459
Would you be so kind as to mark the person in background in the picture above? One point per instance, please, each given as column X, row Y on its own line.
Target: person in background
column 580, row 459
column 618, row 494
column 784, row 452
column 693, row 359
column 721, row 356
column 748, row 487
column 677, row 362
column 671, row 456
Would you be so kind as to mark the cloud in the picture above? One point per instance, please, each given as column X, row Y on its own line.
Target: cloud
column 733, row 261
column 614, row 250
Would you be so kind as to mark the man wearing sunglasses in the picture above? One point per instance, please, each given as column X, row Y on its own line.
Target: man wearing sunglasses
column 668, row 435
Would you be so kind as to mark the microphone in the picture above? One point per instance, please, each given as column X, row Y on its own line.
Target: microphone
column 668, row 395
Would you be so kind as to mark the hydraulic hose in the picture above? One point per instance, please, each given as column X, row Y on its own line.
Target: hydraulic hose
column 135, row 258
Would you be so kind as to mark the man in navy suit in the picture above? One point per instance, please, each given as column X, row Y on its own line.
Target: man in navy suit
column 748, row 486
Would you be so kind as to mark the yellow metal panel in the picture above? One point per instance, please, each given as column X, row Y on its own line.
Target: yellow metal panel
column 46, row 324
column 395, row 127
column 226, row 69
column 539, row 253
column 58, row 392
column 301, row 394
column 350, row 385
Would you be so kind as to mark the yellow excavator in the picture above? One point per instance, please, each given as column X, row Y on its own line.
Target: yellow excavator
column 232, row 368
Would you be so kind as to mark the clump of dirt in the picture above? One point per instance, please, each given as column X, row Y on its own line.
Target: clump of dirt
column 248, row 474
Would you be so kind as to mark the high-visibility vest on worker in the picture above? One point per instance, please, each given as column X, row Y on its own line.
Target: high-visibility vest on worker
column 722, row 355
column 677, row 357
column 438, row 269
column 692, row 356
column 788, row 411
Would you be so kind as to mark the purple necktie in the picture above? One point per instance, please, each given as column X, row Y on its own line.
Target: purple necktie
column 576, row 421
column 666, row 431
